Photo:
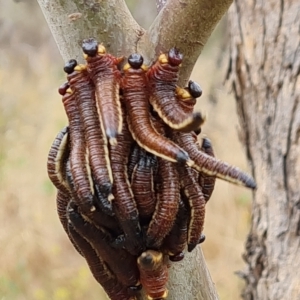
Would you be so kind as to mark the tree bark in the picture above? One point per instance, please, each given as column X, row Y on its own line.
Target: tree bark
column 264, row 74
column 186, row 24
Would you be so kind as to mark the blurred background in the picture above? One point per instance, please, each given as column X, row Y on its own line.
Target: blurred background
column 37, row 261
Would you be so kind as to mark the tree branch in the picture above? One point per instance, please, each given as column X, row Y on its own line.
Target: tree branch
column 160, row 4
column 109, row 21
column 186, row 24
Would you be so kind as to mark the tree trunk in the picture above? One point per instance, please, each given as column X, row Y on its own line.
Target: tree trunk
column 111, row 23
column 264, row 74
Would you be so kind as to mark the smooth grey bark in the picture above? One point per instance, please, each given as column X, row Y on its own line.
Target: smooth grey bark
column 186, row 24
column 264, row 75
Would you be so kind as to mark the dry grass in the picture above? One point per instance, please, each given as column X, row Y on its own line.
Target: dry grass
column 37, row 261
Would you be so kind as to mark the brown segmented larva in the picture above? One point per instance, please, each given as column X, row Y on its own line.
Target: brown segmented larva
column 58, row 153
column 134, row 87
column 210, row 165
column 175, row 242
column 99, row 269
column 163, row 78
column 143, row 186
column 82, row 182
column 98, row 217
column 124, row 203
column 153, row 274
column 95, row 138
column 207, row 182
column 120, row 262
column 168, row 196
column 62, row 200
column 57, row 165
column 103, row 70
column 192, row 191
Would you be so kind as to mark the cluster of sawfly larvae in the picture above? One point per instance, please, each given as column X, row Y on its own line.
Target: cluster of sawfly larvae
column 132, row 180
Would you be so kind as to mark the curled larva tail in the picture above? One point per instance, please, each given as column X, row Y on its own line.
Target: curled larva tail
column 212, row 166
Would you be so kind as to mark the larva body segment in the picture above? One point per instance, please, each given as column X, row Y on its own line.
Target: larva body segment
column 163, row 78
column 143, row 185
column 168, row 196
column 176, row 240
column 94, row 135
column 99, row 269
column 124, row 203
column 57, row 171
column 103, row 70
column 98, row 217
column 210, row 165
column 134, row 86
column 120, row 262
column 133, row 159
column 207, row 182
column 57, row 156
column 62, row 201
column 193, row 193
column 153, row 274
column 80, row 169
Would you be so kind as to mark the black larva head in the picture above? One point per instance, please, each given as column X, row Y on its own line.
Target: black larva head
column 197, row 131
column 206, row 144
column 135, row 60
column 90, row 47
column 135, row 288
column 70, row 65
column 194, row 89
column 175, row 57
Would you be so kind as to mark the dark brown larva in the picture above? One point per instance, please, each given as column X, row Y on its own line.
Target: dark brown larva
column 57, row 156
column 134, row 86
column 62, row 200
column 143, row 186
column 192, row 191
column 168, row 196
column 176, row 240
column 207, row 182
column 99, row 269
column 153, row 274
column 103, row 70
column 94, row 134
column 80, row 168
column 56, row 166
column 120, row 262
column 124, row 203
column 210, row 165
column 98, row 217
column 163, row 77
